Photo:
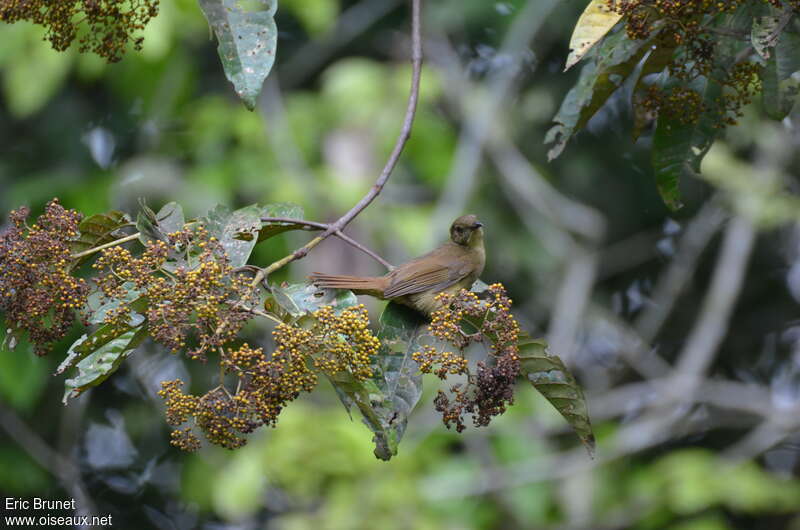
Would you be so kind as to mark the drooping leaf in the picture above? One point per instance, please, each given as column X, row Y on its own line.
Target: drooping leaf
column 299, row 299
column 554, row 381
column 98, row 229
column 247, row 38
column 386, row 400
column 285, row 210
column 155, row 226
column 106, row 333
column 236, row 231
column 679, row 146
column 595, row 21
column 615, row 60
column 96, row 367
column 98, row 306
column 780, row 86
column 764, row 34
column 655, row 62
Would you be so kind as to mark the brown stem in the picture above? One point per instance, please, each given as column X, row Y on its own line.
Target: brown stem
column 312, row 225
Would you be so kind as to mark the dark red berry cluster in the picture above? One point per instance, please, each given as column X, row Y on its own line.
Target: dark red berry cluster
column 38, row 294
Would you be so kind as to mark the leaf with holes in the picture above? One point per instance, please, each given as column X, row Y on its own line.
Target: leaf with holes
column 554, row 381
column 283, row 209
column 236, row 230
column 299, row 299
column 247, row 37
column 96, row 367
column 106, row 333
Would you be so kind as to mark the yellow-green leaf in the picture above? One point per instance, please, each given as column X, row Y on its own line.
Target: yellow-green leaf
column 595, row 21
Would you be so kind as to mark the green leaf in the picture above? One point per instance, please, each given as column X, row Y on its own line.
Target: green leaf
column 247, row 38
column 615, row 60
column 654, row 63
column 282, row 209
column 98, row 307
column 236, row 231
column 386, row 400
column 98, row 229
column 780, row 88
column 299, row 299
column 554, row 381
column 95, row 368
column 595, row 21
column 106, row 333
column 155, row 226
column 678, row 147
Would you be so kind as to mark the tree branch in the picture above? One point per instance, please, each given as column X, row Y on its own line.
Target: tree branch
column 405, row 133
column 312, row 225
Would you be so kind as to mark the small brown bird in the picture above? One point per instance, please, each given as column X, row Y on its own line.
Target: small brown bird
column 451, row 267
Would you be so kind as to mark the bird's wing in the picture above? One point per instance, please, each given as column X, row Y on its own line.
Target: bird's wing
column 429, row 273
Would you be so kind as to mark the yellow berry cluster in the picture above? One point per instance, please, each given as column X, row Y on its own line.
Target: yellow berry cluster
column 104, row 27
column 449, row 362
column 193, row 305
column 38, row 293
column 343, row 342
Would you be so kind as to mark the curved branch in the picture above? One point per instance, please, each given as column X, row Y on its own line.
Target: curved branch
column 312, row 225
column 405, row 133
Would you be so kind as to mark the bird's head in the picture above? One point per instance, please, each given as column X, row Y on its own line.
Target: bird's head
column 466, row 230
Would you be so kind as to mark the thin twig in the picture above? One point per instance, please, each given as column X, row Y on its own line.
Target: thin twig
column 116, row 242
column 405, row 133
column 313, row 225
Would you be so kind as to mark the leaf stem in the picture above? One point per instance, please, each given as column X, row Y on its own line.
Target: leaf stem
column 91, row 251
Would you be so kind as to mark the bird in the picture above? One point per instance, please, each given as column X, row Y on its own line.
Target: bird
column 447, row 269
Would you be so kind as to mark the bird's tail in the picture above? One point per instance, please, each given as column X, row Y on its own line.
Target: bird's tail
column 370, row 285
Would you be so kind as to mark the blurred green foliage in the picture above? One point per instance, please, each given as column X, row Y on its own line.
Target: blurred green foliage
column 165, row 125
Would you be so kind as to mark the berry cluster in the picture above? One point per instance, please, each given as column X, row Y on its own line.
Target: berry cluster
column 104, row 27
column 265, row 385
column 194, row 299
column 37, row 292
column 464, row 319
column 687, row 27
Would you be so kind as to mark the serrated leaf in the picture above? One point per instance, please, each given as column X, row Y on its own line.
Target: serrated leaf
column 247, row 42
column 230, row 227
column 96, row 367
column 615, row 60
column 286, row 210
column 155, row 226
column 595, row 21
column 386, row 400
column 554, row 381
column 98, row 229
column 299, row 299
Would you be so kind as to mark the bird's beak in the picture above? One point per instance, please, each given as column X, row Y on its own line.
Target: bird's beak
column 477, row 225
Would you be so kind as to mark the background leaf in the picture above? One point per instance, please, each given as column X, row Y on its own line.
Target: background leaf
column 554, row 381
column 247, row 41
